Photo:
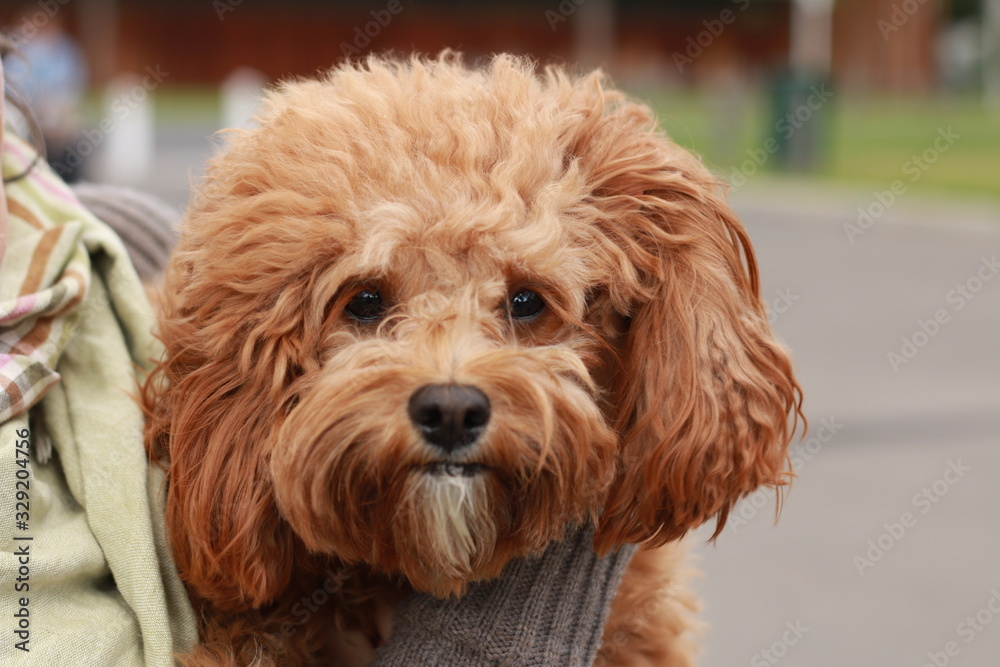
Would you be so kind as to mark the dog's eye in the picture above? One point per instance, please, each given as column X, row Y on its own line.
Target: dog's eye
column 366, row 305
column 526, row 304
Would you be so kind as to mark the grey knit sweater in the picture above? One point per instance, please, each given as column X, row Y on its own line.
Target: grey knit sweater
column 147, row 225
column 547, row 610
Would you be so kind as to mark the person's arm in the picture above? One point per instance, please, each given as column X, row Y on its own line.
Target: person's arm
column 543, row 610
column 146, row 225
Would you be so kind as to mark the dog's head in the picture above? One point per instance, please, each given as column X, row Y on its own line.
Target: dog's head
column 424, row 317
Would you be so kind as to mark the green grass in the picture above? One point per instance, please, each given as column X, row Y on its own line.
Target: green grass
column 865, row 141
column 874, row 140
column 194, row 104
column 177, row 105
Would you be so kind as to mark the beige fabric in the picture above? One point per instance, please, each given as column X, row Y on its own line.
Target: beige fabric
column 74, row 328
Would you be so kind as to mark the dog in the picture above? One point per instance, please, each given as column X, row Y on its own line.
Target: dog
column 425, row 316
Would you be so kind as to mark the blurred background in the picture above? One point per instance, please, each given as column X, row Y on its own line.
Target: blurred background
column 861, row 143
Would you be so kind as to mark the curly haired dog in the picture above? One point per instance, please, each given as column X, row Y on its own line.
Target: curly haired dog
column 425, row 317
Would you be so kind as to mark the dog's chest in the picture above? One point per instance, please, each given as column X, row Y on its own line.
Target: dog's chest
column 356, row 646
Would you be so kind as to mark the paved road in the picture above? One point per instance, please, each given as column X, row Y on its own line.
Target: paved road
column 890, row 538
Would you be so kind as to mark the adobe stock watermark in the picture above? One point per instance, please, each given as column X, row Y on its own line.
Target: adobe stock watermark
column 922, row 501
column 967, row 630
column 785, row 127
column 779, row 649
column 120, row 107
column 799, row 455
column 914, row 167
column 223, row 7
column 698, row 44
column 898, row 17
column 780, row 304
column 308, row 605
column 363, row 35
column 958, row 298
column 565, row 9
column 32, row 22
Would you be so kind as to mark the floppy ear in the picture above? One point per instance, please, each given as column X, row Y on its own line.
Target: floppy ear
column 704, row 397
column 242, row 318
column 214, row 405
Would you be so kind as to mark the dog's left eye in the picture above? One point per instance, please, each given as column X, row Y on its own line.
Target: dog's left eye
column 366, row 305
column 526, row 304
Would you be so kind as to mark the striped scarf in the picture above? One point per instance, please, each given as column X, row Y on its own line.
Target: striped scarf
column 44, row 275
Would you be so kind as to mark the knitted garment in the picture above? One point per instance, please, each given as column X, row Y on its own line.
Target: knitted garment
column 147, row 225
column 548, row 610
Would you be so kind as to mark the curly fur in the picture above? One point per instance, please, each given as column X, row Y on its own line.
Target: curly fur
column 649, row 396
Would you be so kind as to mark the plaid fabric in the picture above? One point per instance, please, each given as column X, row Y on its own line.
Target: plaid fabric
column 43, row 278
column 75, row 325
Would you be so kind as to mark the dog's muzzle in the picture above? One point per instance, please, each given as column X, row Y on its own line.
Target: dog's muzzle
column 449, row 416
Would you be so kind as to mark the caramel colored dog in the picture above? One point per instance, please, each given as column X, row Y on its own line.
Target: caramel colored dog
column 425, row 317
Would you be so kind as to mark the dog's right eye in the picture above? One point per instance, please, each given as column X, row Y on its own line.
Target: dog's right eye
column 366, row 305
column 526, row 304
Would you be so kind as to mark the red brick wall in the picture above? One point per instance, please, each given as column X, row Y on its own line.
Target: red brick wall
column 196, row 47
column 881, row 45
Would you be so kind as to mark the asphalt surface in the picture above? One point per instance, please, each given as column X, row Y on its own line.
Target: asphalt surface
column 888, row 549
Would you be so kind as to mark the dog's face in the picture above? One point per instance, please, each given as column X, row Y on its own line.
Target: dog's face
column 424, row 317
column 450, row 419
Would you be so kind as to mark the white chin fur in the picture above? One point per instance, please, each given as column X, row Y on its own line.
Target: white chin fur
column 455, row 514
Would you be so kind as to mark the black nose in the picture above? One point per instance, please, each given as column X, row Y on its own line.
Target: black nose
column 450, row 416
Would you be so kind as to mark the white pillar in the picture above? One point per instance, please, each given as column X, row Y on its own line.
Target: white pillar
column 241, row 93
column 125, row 136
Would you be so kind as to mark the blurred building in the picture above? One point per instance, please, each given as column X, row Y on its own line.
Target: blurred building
column 887, row 45
column 881, row 45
